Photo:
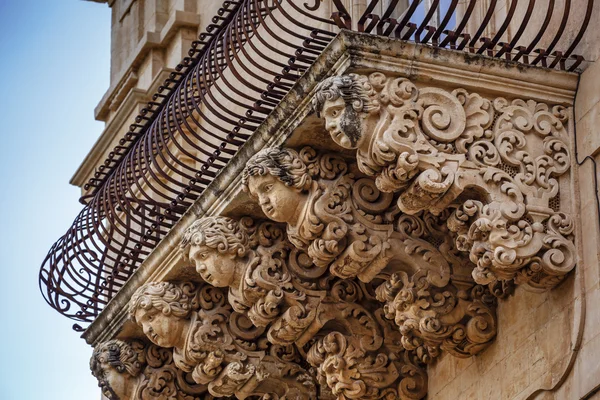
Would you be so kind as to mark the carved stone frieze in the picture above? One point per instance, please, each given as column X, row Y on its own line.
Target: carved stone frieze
column 499, row 162
column 277, row 285
column 133, row 370
column 219, row 347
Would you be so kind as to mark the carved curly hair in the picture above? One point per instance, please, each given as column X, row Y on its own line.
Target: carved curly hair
column 177, row 299
column 353, row 88
column 220, row 233
column 124, row 357
column 282, row 163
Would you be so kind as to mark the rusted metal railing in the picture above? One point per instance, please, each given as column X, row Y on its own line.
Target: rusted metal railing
column 235, row 75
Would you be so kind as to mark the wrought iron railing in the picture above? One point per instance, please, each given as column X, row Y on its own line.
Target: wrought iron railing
column 235, row 75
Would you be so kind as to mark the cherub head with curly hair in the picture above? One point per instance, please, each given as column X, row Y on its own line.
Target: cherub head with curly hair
column 349, row 107
column 216, row 246
column 280, row 181
column 163, row 311
column 117, row 364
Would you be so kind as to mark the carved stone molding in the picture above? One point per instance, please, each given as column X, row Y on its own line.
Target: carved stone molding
column 219, row 347
column 499, row 162
column 133, row 370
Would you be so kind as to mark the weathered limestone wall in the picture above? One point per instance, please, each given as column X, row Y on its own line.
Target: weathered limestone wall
column 585, row 377
column 533, row 350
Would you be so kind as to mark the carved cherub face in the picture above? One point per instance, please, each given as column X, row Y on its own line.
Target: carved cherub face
column 218, row 269
column 163, row 330
column 278, row 201
column 280, row 181
column 217, row 247
column 342, row 123
column 163, row 311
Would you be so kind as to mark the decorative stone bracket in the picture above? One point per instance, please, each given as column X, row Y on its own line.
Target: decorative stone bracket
column 369, row 265
column 497, row 163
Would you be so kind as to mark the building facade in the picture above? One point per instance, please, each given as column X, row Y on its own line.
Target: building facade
column 341, row 200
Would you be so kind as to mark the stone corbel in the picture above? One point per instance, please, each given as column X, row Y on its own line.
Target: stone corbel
column 338, row 216
column 459, row 321
column 499, row 162
column 277, row 286
column 344, row 222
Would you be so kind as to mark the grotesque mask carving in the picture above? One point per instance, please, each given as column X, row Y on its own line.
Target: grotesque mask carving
column 348, row 106
column 132, row 370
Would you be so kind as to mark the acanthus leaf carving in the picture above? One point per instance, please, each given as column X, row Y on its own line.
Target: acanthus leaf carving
column 461, row 322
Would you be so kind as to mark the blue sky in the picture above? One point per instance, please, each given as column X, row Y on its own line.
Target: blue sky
column 54, row 68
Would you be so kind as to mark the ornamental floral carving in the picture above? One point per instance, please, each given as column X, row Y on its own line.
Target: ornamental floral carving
column 350, row 346
column 499, row 162
column 133, row 370
column 216, row 345
column 368, row 267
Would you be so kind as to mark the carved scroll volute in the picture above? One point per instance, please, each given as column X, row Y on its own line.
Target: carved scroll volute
column 462, row 322
column 359, row 360
column 500, row 162
column 268, row 281
column 219, row 348
column 272, row 271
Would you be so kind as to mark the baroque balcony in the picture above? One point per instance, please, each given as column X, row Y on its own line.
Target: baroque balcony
column 387, row 181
